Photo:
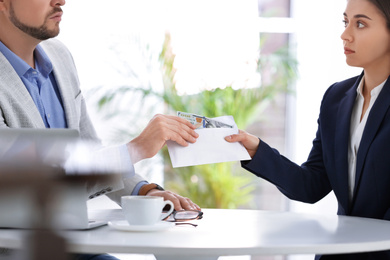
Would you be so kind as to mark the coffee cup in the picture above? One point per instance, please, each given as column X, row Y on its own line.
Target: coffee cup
column 145, row 210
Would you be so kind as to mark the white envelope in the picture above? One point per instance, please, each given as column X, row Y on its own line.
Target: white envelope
column 210, row 147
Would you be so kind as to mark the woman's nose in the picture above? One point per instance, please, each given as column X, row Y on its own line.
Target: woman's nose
column 346, row 36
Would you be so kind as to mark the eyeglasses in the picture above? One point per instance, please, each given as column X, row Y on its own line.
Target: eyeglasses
column 185, row 215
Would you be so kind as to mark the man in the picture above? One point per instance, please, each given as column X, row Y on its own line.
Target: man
column 39, row 88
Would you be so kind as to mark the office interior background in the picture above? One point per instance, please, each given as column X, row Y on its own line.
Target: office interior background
column 216, row 44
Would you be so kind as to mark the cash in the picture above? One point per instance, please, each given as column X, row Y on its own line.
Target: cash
column 202, row 121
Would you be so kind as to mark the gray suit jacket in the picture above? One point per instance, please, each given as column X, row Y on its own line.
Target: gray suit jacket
column 18, row 110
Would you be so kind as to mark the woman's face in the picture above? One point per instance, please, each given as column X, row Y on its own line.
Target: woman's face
column 366, row 37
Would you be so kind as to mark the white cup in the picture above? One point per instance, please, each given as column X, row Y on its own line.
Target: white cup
column 145, row 210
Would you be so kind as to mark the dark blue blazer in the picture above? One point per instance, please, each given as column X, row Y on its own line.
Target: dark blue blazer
column 326, row 168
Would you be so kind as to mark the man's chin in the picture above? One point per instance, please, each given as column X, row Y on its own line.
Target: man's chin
column 48, row 35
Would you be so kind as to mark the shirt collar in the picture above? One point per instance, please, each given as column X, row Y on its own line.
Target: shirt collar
column 374, row 92
column 42, row 61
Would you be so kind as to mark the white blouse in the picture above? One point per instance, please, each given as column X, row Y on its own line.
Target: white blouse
column 357, row 128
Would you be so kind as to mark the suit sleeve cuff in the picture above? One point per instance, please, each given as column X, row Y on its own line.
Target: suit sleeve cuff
column 127, row 165
column 138, row 187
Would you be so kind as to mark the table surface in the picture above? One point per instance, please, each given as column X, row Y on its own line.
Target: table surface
column 230, row 232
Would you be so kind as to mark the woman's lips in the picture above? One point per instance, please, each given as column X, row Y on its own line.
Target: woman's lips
column 348, row 51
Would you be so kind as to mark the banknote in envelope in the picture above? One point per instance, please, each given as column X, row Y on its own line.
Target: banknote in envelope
column 202, row 121
column 210, row 146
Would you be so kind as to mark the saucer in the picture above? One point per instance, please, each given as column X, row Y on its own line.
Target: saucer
column 124, row 226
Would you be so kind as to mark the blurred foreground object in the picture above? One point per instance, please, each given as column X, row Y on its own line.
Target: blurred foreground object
column 38, row 191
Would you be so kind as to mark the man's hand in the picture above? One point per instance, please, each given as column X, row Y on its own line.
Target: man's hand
column 160, row 129
column 178, row 201
column 250, row 142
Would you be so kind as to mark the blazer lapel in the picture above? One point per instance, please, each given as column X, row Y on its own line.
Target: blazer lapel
column 375, row 118
column 342, row 141
column 12, row 87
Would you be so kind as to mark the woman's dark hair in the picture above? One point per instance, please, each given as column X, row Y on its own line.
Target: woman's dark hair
column 384, row 7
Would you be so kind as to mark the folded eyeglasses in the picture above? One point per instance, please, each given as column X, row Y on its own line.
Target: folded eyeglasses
column 181, row 216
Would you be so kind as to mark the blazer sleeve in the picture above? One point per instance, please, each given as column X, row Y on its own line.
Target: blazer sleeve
column 306, row 183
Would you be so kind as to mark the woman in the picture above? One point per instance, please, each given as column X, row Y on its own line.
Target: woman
column 351, row 150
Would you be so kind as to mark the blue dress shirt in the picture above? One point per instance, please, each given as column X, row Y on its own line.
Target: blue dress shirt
column 41, row 85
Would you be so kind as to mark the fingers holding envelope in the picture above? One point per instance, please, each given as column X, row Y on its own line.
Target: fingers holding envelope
column 249, row 141
column 160, row 129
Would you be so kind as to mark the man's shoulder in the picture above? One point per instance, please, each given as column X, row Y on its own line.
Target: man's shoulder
column 52, row 42
column 57, row 52
column 53, row 45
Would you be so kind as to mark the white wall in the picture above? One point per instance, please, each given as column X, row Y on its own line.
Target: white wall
column 215, row 42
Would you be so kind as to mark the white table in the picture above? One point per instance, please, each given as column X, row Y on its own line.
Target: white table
column 231, row 232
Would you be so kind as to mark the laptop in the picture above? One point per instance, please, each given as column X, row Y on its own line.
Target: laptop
column 18, row 206
column 35, row 145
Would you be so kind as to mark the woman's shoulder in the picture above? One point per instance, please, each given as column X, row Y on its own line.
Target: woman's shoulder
column 342, row 87
column 348, row 82
column 337, row 92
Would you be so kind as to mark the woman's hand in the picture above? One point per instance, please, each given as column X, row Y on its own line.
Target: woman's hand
column 249, row 141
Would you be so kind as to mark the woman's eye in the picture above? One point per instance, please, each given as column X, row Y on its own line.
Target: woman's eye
column 360, row 25
column 345, row 22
